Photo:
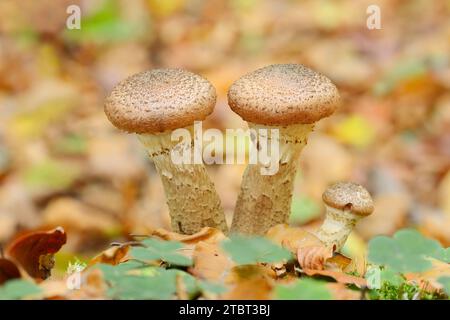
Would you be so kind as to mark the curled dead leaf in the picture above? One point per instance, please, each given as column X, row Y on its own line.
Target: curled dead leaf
column 206, row 234
column 314, row 257
column 113, row 255
column 8, row 270
column 34, row 251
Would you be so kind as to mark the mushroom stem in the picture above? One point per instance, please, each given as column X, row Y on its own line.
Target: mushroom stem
column 336, row 227
column 265, row 200
column 191, row 196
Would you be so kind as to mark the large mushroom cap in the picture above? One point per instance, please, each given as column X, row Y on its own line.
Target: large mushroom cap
column 160, row 99
column 283, row 94
column 349, row 195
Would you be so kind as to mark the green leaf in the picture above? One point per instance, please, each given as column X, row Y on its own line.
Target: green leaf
column 130, row 280
column 50, row 174
column 72, row 144
column 135, row 280
column 392, row 277
column 377, row 276
column 161, row 286
column 251, row 250
column 211, row 287
column 18, row 289
column 104, row 26
column 303, row 289
column 445, row 281
column 113, row 273
column 303, row 210
column 403, row 71
column 166, row 251
column 406, row 251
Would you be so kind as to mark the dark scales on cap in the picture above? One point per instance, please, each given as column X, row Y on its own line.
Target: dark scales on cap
column 283, row 94
column 159, row 100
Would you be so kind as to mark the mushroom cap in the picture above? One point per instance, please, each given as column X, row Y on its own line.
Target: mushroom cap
column 160, row 99
column 283, row 94
column 349, row 195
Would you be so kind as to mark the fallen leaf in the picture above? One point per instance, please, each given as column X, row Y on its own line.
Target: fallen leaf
column 431, row 277
column 390, row 214
column 206, row 234
column 73, row 214
column 314, row 257
column 249, row 282
column 292, row 238
column 210, row 262
column 113, row 256
column 34, row 251
column 8, row 270
column 340, row 291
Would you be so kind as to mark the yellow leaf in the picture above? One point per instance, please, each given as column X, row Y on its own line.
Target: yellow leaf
column 354, row 130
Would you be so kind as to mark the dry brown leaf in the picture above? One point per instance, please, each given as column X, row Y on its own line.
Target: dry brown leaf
column 34, row 251
column 113, row 255
column 310, row 251
column 437, row 227
column 429, row 278
column 292, row 238
column 389, row 215
column 339, row 260
column 210, row 262
column 8, row 270
column 314, row 257
column 206, row 234
column 250, row 282
column 75, row 215
column 341, row 292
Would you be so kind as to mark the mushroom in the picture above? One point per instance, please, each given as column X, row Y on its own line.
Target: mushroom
column 153, row 104
column 289, row 98
column 346, row 203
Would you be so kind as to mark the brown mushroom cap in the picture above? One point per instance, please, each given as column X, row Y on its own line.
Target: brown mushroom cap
column 348, row 195
column 160, row 99
column 283, row 94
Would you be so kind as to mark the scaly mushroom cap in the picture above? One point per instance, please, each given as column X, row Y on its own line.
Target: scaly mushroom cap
column 349, row 195
column 160, row 99
column 283, row 94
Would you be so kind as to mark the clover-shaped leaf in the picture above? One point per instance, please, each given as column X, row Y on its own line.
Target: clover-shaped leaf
column 251, row 250
column 18, row 289
column 167, row 251
column 135, row 280
column 445, row 281
column 303, row 289
column 406, row 251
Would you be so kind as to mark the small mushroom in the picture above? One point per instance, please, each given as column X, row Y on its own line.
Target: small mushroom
column 153, row 104
column 289, row 98
column 346, row 203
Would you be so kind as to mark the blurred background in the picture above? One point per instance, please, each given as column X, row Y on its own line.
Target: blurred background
column 63, row 163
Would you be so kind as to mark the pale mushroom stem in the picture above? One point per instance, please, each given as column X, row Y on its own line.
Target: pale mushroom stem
column 337, row 226
column 191, row 196
column 265, row 200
